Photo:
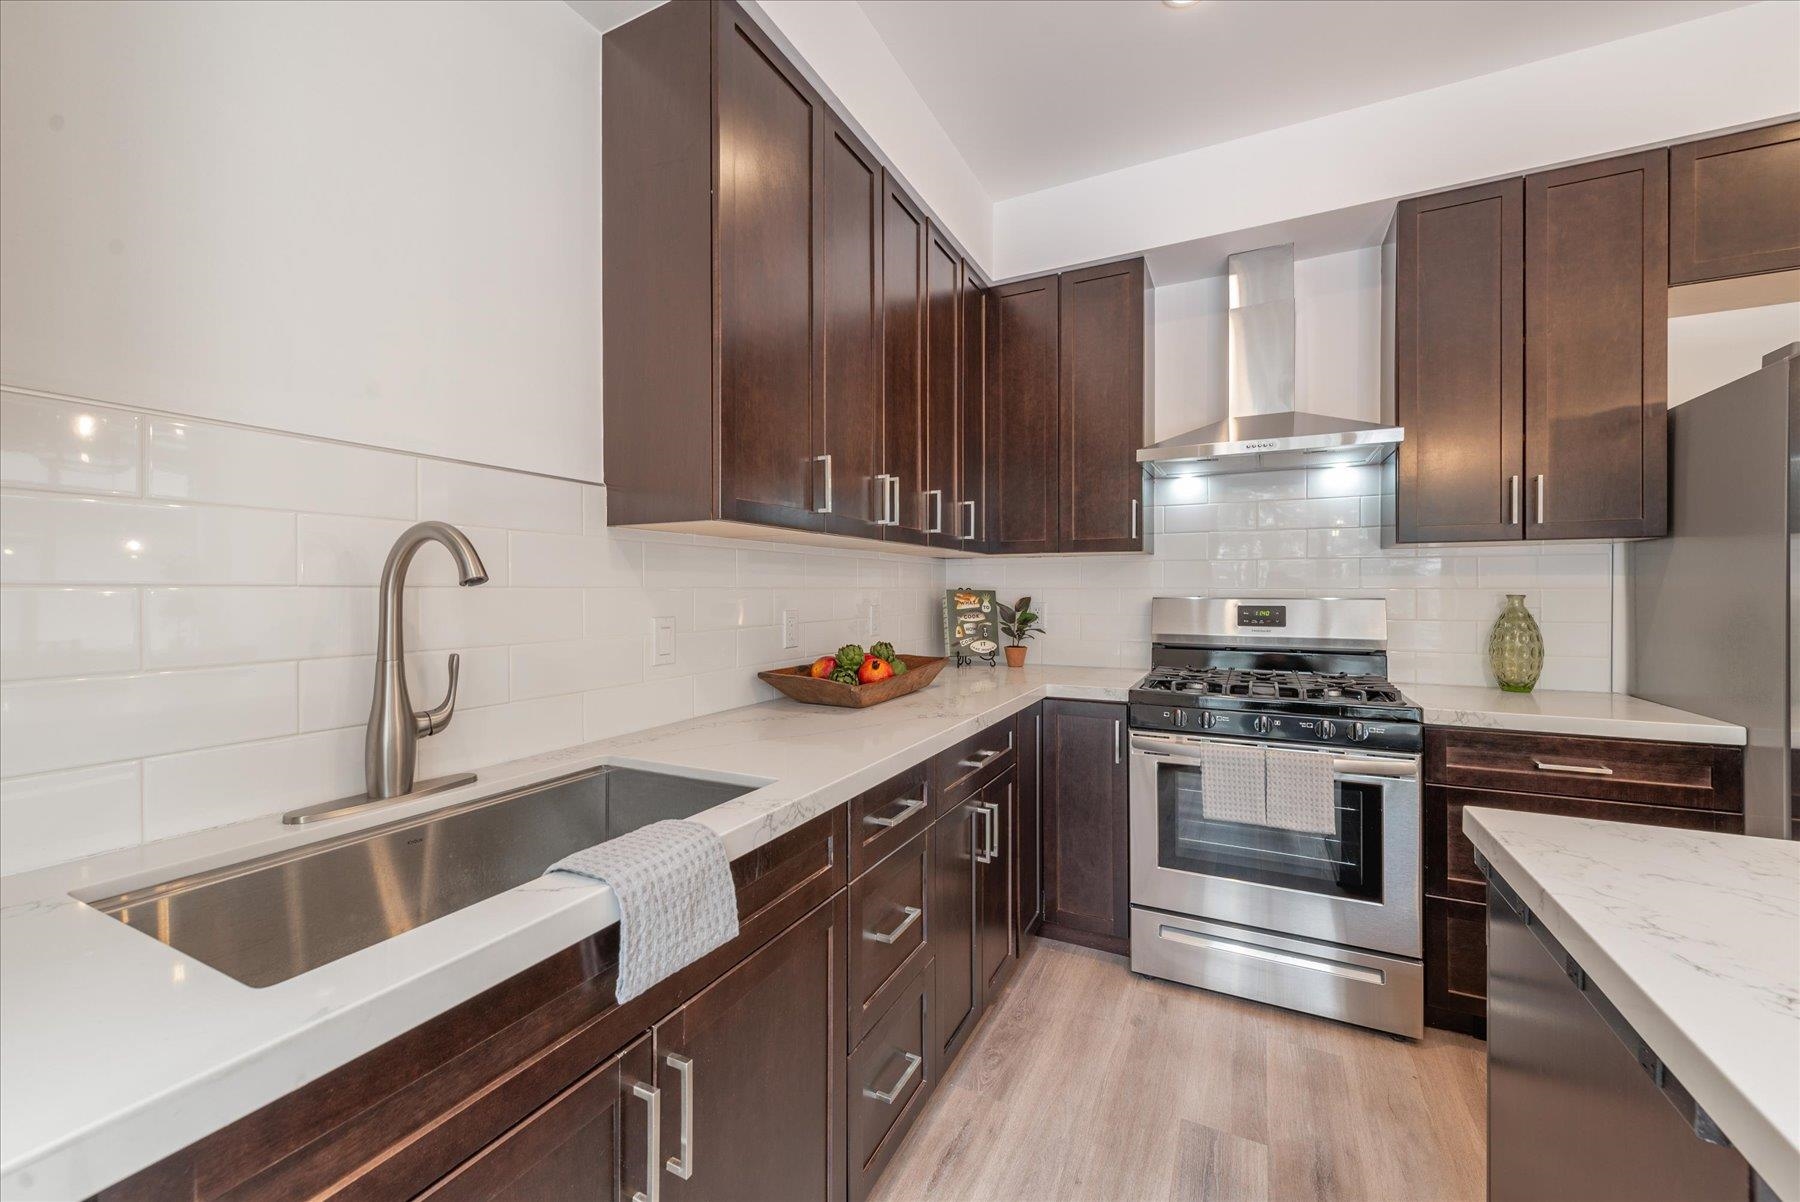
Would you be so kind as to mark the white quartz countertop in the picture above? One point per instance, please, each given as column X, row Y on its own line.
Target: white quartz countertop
column 1695, row 937
column 1560, row 712
column 119, row 1050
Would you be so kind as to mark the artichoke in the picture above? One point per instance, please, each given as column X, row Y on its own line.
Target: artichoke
column 899, row 666
column 844, row 675
column 850, row 656
column 885, row 650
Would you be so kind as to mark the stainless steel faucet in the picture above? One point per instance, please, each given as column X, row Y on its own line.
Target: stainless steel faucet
column 391, row 751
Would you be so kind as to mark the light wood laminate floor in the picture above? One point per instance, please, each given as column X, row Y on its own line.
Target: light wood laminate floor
column 1090, row 1084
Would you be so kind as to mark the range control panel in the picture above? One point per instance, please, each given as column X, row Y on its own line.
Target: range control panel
column 1271, row 617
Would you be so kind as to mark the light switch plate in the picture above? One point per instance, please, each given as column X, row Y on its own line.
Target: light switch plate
column 790, row 629
column 662, row 641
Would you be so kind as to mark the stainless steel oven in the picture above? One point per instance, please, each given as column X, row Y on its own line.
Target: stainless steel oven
column 1326, row 922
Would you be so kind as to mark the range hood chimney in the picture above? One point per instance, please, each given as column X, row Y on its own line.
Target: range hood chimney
column 1263, row 430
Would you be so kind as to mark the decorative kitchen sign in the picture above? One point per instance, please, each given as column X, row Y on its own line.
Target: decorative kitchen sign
column 971, row 625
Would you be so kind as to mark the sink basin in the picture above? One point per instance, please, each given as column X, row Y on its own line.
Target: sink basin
column 273, row 918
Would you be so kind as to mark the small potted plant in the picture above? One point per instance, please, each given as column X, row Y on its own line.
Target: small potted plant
column 1018, row 623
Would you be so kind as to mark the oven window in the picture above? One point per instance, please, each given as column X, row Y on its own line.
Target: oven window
column 1346, row 862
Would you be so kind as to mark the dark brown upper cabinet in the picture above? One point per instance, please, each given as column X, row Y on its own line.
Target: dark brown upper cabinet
column 1530, row 356
column 1734, row 205
column 943, row 389
column 850, row 315
column 1103, row 373
column 1459, row 364
column 1020, row 509
column 903, row 247
column 971, row 506
column 713, row 146
column 1596, row 349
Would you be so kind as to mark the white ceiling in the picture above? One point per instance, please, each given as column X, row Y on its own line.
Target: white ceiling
column 1040, row 93
column 605, row 14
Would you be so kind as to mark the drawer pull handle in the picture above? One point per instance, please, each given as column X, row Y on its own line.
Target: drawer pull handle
column 906, row 810
column 886, row 1097
column 652, row 1098
column 683, row 1165
column 1577, row 769
column 980, row 758
column 912, row 915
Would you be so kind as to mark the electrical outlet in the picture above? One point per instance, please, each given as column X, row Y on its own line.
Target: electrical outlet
column 872, row 619
column 790, row 629
column 662, row 641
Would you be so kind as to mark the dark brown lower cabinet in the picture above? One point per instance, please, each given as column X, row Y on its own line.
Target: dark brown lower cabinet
column 996, row 935
column 751, row 1073
column 1086, row 876
column 1028, row 840
column 588, row 1144
column 953, row 919
column 891, row 1075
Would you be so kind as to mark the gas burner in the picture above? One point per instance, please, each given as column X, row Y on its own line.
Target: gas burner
column 1274, row 685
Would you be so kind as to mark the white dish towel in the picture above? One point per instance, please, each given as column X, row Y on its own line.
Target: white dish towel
column 676, row 899
column 1231, row 783
column 1302, row 796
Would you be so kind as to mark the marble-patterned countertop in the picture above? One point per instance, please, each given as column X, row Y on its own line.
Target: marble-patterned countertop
column 120, row 1050
column 1560, row 712
column 1695, row 937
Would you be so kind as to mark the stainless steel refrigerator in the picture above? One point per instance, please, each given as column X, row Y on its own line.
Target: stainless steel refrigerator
column 1713, row 606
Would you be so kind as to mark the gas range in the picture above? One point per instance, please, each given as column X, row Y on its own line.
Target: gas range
column 1308, row 671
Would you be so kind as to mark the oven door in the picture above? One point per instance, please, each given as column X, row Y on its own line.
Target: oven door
column 1357, row 885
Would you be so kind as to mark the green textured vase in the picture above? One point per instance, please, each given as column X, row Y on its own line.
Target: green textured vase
column 1516, row 647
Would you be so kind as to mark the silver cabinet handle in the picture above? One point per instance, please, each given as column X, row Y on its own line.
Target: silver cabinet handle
column 912, row 915
column 1540, row 499
column 826, row 460
column 983, row 838
column 937, row 510
column 886, row 1097
column 970, row 506
column 652, row 1142
column 1512, row 486
column 1118, row 740
column 1134, row 517
column 1577, row 769
column 881, row 484
column 894, row 500
column 683, row 1165
column 905, row 811
column 993, row 829
column 980, row 758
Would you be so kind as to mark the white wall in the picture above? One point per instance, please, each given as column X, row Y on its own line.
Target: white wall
column 1337, row 343
column 1710, row 349
column 843, row 49
column 1734, row 68
column 376, row 222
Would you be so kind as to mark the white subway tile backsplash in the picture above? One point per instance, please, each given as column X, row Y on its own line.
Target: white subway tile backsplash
column 1179, row 490
column 609, row 712
column 66, row 445
column 67, row 632
column 65, row 815
column 1576, row 605
column 51, row 724
column 490, row 617
column 486, row 496
column 199, row 461
column 715, row 691
column 575, row 561
column 503, row 732
column 693, row 565
column 1345, row 480
column 1355, row 541
column 1258, row 486
column 1261, row 544
column 353, row 550
column 197, row 627
column 773, row 569
column 201, row 789
column 553, row 669
column 51, row 539
column 1312, row 514
column 1187, row 519
column 731, row 608
column 337, row 692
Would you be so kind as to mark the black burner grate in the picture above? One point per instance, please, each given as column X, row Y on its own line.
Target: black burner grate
column 1256, row 684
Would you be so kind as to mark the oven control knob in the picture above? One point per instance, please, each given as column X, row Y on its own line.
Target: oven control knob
column 1207, row 719
column 1358, row 732
column 1261, row 725
column 1181, row 717
column 1328, row 729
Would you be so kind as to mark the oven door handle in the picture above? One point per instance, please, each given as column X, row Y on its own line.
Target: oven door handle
column 1340, row 765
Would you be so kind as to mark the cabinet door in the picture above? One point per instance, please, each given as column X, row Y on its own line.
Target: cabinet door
column 903, row 238
column 971, row 506
column 588, row 1144
column 1101, row 371
column 943, row 402
column 756, row 1062
column 1459, row 361
column 996, row 938
column 1596, row 349
column 770, row 126
column 1022, row 405
column 1086, row 882
column 1028, row 840
column 952, row 917
column 850, row 326
column 1734, row 205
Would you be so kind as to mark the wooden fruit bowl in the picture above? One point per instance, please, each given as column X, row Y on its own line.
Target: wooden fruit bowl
column 801, row 685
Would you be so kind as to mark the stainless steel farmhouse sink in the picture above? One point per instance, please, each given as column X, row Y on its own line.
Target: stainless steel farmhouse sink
column 272, row 918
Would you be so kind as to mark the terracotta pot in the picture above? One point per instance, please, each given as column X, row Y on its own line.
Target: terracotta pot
column 1015, row 657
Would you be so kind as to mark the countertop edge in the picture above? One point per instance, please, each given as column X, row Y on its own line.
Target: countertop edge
column 1773, row 1153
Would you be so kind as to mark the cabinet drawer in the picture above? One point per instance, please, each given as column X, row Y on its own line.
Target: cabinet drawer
column 885, row 817
column 972, row 763
column 1692, row 775
column 1455, row 963
column 1450, row 857
column 888, row 922
column 889, row 1082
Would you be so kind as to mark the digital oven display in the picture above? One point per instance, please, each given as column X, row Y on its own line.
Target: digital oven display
column 1262, row 615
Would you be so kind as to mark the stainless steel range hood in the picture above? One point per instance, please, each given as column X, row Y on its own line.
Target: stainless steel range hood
column 1263, row 430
